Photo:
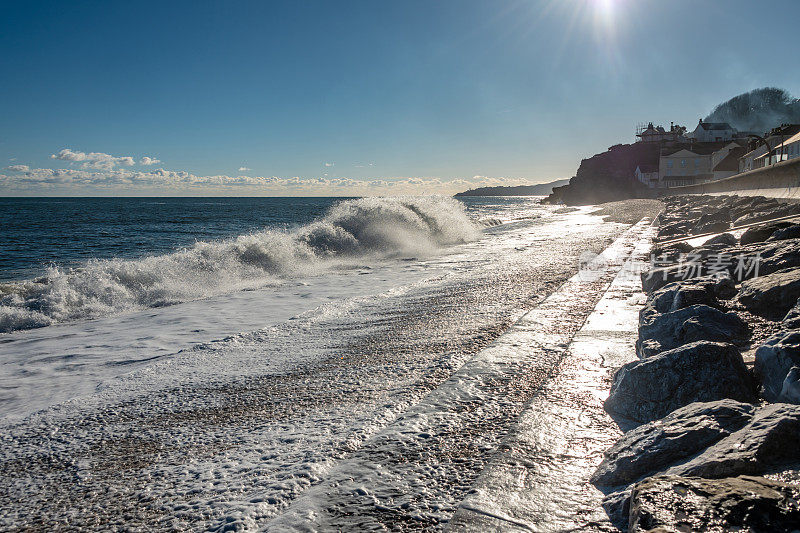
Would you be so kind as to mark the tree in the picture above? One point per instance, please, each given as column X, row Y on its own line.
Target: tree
column 759, row 110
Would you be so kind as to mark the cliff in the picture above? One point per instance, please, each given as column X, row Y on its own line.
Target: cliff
column 608, row 176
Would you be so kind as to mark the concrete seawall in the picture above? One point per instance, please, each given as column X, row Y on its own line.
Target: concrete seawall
column 777, row 181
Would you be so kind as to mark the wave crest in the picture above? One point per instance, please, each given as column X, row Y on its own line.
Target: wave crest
column 351, row 228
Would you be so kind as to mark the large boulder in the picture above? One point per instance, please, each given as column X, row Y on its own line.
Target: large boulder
column 769, row 443
column 772, row 256
column 652, row 388
column 726, row 238
column 744, row 503
column 762, row 233
column 710, row 259
column 675, row 229
column 652, row 447
column 790, row 391
column 665, row 331
column 774, row 360
column 772, row 295
column 789, row 232
column 742, row 262
column 768, row 210
column 655, row 278
column 792, row 318
column 707, row 290
column 711, row 227
column 672, row 252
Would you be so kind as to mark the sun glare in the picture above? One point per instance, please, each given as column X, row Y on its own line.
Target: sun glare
column 605, row 11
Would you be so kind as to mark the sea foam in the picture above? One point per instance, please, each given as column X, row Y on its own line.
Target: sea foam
column 361, row 228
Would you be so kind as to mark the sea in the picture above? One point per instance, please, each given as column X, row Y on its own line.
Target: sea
column 201, row 363
column 112, row 281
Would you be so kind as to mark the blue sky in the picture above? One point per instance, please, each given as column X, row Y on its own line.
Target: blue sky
column 306, row 97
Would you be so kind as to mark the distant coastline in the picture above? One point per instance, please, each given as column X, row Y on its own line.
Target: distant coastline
column 540, row 189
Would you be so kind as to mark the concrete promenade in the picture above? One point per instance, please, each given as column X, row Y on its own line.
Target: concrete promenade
column 538, row 480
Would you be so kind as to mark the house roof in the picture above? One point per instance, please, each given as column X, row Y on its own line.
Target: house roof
column 793, row 139
column 697, row 148
column 730, row 161
column 651, row 130
column 647, row 168
column 715, row 126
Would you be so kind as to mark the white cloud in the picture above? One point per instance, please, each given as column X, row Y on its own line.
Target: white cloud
column 330, row 164
column 103, row 173
column 97, row 160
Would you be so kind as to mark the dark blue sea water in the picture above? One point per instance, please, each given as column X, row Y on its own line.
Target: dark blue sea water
column 67, row 259
column 36, row 232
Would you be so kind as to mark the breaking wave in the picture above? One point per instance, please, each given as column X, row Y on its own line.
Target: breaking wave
column 378, row 227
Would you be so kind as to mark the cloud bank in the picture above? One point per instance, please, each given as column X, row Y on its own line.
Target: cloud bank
column 101, row 174
column 99, row 160
column 20, row 179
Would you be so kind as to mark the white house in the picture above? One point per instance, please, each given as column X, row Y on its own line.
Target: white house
column 782, row 141
column 684, row 167
column 647, row 174
column 695, row 163
column 788, row 149
column 713, row 131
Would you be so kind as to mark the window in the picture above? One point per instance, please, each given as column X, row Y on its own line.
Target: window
column 683, row 163
column 696, row 162
column 669, row 164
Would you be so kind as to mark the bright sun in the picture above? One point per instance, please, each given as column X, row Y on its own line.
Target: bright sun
column 605, row 8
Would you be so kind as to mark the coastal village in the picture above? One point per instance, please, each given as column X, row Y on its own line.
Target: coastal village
column 713, row 151
column 664, row 158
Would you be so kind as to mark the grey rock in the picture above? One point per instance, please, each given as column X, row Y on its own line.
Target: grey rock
column 652, row 447
column 773, row 361
column 649, row 389
column 665, row 331
column 769, row 443
column 772, row 295
column 696, row 264
column 744, row 503
column 792, row 318
column 671, row 252
column 768, row 210
column 725, row 238
column 790, row 232
column 790, row 392
column 773, row 256
column 710, row 227
column 617, row 507
column 675, row 229
column 656, row 278
column 762, row 233
column 707, row 290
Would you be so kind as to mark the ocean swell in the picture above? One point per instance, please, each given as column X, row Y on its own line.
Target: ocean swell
column 377, row 227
